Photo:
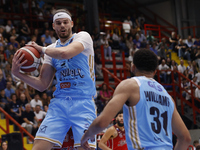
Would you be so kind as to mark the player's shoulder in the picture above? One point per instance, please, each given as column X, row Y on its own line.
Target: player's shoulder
column 83, row 34
column 129, row 83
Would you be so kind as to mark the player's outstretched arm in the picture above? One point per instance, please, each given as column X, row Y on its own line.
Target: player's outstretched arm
column 180, row 130
column 121, row 95
column 40, row 83
column 102, row 143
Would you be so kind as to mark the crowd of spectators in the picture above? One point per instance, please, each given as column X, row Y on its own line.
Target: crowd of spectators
column 28, row 106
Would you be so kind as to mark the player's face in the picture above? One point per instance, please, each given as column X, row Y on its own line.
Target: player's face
column 63, row 27
column 120, row 120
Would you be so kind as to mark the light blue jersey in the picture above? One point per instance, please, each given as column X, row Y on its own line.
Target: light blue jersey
column 75, row 76
column 148, row 123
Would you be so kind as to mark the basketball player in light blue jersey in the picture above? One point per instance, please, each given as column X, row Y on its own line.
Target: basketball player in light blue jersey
column 71, row 60
column 150, row 115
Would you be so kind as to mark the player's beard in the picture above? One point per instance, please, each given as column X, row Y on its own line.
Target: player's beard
column 120, row 124
column 65, row 36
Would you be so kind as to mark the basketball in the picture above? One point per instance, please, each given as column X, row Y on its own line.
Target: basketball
column 32, row 56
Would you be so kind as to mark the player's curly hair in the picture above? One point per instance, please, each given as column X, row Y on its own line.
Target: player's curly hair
column 145, row 60
column 63, row 10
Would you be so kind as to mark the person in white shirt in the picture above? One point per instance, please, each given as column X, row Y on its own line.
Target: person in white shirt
column 107, row 48
column 197, row 91
column 163, row 74
column 36, row 101
column 40, row 114
column 181, row 67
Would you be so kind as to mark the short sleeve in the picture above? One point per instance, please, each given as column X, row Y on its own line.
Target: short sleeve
column 85, row 39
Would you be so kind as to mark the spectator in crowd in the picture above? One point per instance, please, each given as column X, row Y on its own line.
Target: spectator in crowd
column 189, row 41
column 190, row 70
column 9, row 90
column 3, row 99
column 28, row 121
column 173, row 41
column 40, row 114
column 44, row 99
column 183, row 50
column 107, row 48
column 3, row 61
column 46, row 108
column 108, row 37
column 197, row 91
column 181, row 67
column 2, row 81
column 24, row 30
column 9, row 26
column 196, row 144
column 10, row 51
column 96, row 35
column 52, row 35
column 150, row 38
column 153, row 48
column 14, row 33
column 197, row 57
column 36, row 101
column 142, row 38
column 14, row 43
column 197, row 43
column 105, row 94
column 128, row 20
column 23, row 101
column 161, row 52
column 162, row 67
column 4, row 145
column 137, row 41
column 115, row 39
column 21, row 88
column 37, row 35
column 129, row 44
column 47, row 37
column 15, row 110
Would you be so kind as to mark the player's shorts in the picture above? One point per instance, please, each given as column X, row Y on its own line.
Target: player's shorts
column 64, row 113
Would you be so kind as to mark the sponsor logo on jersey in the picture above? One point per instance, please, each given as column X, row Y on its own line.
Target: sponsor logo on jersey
column 65, row 85
column 42, row 129
column 153, row 85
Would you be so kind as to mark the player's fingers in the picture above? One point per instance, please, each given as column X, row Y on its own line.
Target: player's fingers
column 21, row 57
column 23, row 62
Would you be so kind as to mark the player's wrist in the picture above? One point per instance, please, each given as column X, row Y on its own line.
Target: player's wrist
column 44, row 50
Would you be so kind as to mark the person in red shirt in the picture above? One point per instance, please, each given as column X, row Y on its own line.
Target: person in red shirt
column 114, row 137
column 105, row 94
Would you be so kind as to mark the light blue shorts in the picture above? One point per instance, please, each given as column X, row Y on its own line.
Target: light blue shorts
column 64, row 113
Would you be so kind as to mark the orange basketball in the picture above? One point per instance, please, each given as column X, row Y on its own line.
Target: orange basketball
column 32, row 56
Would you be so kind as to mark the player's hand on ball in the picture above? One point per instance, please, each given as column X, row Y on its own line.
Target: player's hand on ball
column 16, row 62
column 35, row 45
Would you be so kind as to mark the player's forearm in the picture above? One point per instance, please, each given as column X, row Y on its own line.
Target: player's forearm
column 96, row 127
column 35, row 82
column 103, row 146
column 66, row 52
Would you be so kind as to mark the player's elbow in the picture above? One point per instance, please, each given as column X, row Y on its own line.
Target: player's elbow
column 186, row 138
column 64, row 55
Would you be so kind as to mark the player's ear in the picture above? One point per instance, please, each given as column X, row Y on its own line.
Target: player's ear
column 132, row 67
column 72, row 23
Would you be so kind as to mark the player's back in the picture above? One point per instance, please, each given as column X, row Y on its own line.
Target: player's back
column 148, row 123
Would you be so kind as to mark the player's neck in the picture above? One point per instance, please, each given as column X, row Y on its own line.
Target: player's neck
column 121, row 128
column 65, row 40
column 144, row 73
